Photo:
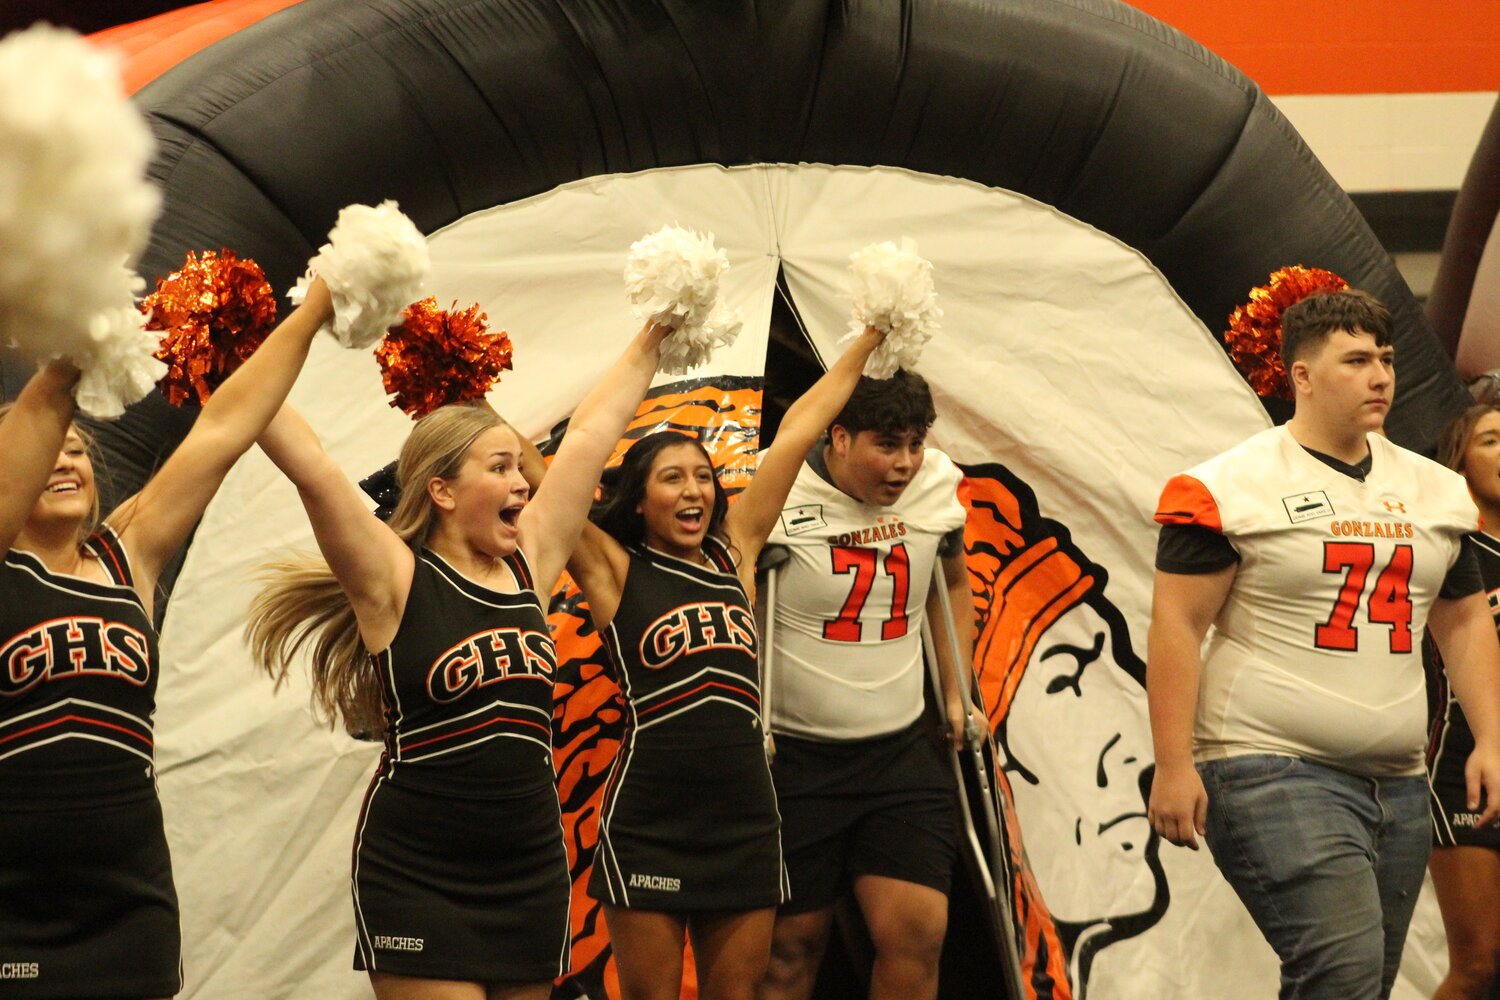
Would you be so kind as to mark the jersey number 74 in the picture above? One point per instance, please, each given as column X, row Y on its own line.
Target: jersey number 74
column 1388, row 603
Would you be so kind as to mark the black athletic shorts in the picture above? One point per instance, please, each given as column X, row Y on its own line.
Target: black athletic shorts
column 1452, row 819
column 882, row 806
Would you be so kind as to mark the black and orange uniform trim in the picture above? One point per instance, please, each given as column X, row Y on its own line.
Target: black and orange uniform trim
column 689, row 819
column 459, row 869
column 1450, row 740
column 87, row 905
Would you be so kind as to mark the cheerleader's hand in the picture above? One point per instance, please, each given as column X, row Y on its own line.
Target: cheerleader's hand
column 1482, row 778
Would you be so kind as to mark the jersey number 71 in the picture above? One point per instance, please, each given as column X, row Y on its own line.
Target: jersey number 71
column 848, row 626
column 1389, row 602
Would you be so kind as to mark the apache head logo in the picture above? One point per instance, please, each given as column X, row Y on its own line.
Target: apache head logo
column 1062, row 683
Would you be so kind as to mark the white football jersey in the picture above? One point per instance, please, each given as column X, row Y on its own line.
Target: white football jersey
column 850, row 603
column 1317, row 650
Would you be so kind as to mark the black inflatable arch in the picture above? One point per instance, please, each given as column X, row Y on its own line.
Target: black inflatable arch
column 452, row 106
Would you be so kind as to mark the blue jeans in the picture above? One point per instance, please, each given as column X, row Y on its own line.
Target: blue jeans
column 1328, row 863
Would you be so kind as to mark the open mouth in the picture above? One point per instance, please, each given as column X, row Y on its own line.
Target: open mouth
column 512, row 515
column 63, row 487
column 691, row 518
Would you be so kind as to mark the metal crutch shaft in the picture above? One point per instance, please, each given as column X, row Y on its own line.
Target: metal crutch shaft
column 999, row 864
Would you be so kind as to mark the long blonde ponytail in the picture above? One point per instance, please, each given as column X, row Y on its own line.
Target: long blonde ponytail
column 302, row 602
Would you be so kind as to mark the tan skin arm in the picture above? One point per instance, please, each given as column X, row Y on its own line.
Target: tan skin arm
column 599, row 563
column 1183, row 606
column 371, row 563
column 1465, row 633
column 961, row 600
column 154, row 522
column 550, row 530
column 754, row 513
column 31, row 436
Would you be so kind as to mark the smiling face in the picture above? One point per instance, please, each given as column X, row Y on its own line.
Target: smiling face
column 678, row 500
column 70, row 494
column 874, row 466
column 1348, row 382
column 483, row 502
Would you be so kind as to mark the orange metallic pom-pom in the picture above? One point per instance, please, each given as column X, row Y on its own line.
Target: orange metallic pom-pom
column 1254, row 334
column 213, row 313
column 441, row 356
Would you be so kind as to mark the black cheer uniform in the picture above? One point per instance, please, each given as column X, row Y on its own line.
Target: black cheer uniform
column 87, row 906
column 689, row 817
column 459, row 866
column 1451, row 740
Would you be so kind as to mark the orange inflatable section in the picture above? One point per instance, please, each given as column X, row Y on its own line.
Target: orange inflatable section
column 1337, row 47
column 155, row 45
column 1286, row 46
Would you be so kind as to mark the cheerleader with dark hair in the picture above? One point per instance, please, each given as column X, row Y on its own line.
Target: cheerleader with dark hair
column 689, row 841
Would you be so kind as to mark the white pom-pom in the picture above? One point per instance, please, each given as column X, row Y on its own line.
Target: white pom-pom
column 672, row 280
column 122, row 368
column 892, row 290
column 376, row 264
column 74, row 200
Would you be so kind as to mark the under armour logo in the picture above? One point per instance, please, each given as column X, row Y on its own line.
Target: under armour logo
column 1394, row 506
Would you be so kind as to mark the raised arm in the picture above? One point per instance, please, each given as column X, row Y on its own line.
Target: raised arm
column 31, row 438
column 754, row 513
column 552, row 522
column 154, row 522
column 1465, row 633
column 598, row 563
column 1183, row 606
column 371, row 563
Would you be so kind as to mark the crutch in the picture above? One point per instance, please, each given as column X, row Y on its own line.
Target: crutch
column 768, row 567
column 994, row 873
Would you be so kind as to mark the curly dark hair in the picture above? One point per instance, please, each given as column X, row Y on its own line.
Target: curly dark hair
column 892, row 405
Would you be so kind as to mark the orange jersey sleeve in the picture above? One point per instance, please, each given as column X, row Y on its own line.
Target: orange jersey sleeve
column 1185, row 500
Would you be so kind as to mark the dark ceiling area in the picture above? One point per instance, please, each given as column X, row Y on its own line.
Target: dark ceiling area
column 82, row 17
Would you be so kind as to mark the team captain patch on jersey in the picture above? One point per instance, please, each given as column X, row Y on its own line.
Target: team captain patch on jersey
column 858, row 577
column 1316, row 651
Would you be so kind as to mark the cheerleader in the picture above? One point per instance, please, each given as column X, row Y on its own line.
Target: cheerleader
column 689, row 841
column 431, row 630
column 1465, row 863
column 87, row 905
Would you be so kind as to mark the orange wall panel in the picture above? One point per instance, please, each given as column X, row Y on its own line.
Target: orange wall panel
column 1347, row 46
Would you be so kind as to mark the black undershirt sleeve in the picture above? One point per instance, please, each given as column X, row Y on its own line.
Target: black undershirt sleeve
column 1463, row 576
column 1192, row 549
column 952, row 542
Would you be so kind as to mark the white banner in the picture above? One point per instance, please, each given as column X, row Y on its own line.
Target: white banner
column 1070, row 382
